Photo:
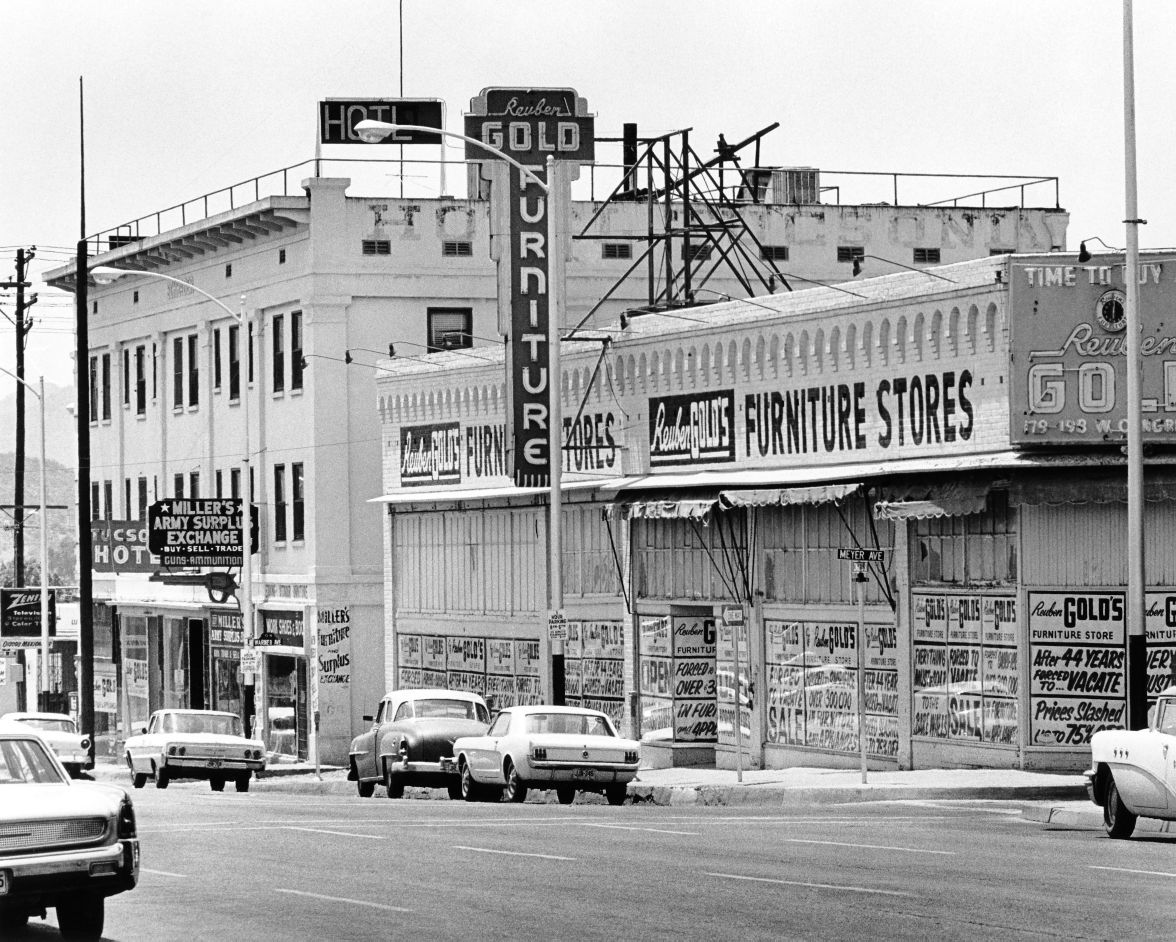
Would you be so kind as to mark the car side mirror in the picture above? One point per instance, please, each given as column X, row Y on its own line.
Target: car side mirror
column 143, row 729
column 367, row 718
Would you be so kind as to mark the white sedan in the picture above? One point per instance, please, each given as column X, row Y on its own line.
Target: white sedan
column 61, row 733
column 63, row 844
column 200, row 744
column 566, row 748
column 1133, row 772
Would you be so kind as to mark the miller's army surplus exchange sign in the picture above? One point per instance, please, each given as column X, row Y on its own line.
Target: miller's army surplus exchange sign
column 196, row 533
column 529, row 124
column 1069, row 344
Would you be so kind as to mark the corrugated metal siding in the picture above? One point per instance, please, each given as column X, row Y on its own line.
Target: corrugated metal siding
column 673, row 563
column 1086, row 544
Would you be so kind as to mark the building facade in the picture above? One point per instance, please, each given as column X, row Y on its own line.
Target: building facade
column 329, row 284
column 963, row 425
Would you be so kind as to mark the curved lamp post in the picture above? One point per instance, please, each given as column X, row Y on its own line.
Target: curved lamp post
column 373, row 132
column 39, row 392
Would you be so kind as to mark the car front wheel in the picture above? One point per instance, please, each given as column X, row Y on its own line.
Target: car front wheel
column 1118, row 820
column 392, row 787
column 515, row 791
column 469, row 788
column 83, row 918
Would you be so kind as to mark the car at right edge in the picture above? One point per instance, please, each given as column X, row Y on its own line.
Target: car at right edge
column 1133, row 772
column 568, row 749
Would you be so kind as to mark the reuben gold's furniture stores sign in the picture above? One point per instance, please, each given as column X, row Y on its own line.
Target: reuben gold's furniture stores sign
column 1069, row 345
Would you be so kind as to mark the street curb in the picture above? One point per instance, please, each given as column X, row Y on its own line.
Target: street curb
column 773, row 794
column 1087, row 819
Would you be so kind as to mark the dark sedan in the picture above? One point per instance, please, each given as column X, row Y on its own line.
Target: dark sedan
column 412, row 731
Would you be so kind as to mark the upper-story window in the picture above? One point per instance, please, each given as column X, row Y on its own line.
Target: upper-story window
column 450, row 328
column 926, row 256
column 298, row 493
column 296, row 350
column 216, row 359
column 177, row 372
column 774, row 253
column 615, row 250
column 106, row 387
column 847, row 253
column 141, row 379
column 457, row 249
column 126, row 377
column 279, row 335
column 94, row 389
column 279, row 503
column 193, row 371
column 377, row 247
column 234, row 362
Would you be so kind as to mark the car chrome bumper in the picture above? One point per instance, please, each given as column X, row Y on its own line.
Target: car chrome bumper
column 1090, row 792
column 573, row 772
column 185, row 765
column 109, row 869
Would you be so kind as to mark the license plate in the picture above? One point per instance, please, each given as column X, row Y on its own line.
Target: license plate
column 583, row 773
column 215, row 763
column 5, row 880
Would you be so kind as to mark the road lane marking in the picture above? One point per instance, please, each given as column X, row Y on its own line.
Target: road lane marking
column 815, row 886
column 909, row 850
column 622, row 827
column 1150, row 873
column 373, row 837
column 509, row 853
column 162, row 873
column 344, row 899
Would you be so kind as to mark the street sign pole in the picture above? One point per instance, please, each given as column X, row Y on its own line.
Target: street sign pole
column 860, row 585
column 733, row 617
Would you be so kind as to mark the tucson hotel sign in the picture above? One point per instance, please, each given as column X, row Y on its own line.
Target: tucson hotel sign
column 527, row 124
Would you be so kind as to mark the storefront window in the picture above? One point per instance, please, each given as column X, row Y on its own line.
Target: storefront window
column 286, row 727
column 175, row 663
column 135, row 671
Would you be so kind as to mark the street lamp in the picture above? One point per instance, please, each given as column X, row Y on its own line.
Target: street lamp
column 373, row 132
column 107, row 274
column 39, row 392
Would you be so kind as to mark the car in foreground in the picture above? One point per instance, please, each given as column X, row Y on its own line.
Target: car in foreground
column 64, row 845
column 569, row 749
column 1133, row 772
column 412, row 731
column 61, row 733
column 196, row 744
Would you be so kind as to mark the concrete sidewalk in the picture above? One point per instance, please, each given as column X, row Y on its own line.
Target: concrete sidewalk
column 704, row 786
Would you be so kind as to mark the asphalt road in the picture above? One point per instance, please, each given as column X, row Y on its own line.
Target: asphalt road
column 288, row 867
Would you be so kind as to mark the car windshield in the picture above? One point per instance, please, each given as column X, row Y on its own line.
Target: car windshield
column 577, row 724
column 219, row 724
column 50, row 724
column 451, row 709
column 25, row 762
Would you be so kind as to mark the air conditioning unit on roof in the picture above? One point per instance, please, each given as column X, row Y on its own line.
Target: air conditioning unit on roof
column 796, row 185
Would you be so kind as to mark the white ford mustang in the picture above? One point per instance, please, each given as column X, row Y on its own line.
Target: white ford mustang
column 1133, row 772
column 565, row 748
column 201, row 744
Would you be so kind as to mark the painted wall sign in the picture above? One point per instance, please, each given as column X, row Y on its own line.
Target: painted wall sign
column 430, row 454
column 334, row 645
column 121, row 546
column 1068, row 347
column 339, row 116
column 698, row 428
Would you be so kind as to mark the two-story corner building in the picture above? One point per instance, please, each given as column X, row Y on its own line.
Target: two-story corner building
column 331, row 281
column 964, row 425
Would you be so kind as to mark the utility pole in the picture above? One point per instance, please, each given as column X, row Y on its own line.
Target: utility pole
column 22, row 322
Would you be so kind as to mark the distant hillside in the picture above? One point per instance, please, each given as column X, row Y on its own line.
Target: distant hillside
column 62, row 533
column 60, row 435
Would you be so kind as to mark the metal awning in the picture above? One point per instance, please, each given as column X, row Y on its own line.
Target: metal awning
column 787, row 496
column 668, row 509
column 951, row 499
column 432, row 495
column 1159, row 485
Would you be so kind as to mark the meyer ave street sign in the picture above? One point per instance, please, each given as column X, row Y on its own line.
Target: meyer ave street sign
column 199, row 533
column 861, row 555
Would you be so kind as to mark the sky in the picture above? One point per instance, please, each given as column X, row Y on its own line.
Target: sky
column 184, row 99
